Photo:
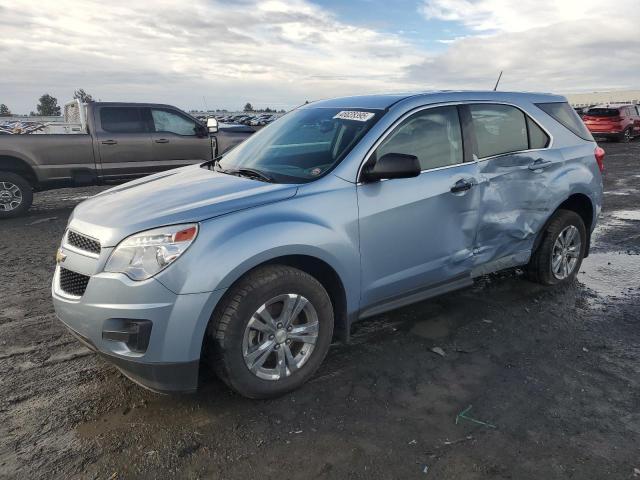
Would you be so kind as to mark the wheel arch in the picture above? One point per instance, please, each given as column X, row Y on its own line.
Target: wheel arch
column 318, row 268
column 19, row 166
column 580, row 204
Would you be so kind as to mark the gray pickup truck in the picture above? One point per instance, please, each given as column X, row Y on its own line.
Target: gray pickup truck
column 103, row 143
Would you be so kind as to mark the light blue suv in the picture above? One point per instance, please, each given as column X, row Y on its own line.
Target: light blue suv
column 340, row 210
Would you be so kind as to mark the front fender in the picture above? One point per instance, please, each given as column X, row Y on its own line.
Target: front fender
column 322, row 225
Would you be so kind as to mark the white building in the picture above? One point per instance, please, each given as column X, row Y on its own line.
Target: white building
column 597, row 98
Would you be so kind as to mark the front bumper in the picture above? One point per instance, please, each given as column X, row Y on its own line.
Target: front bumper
column 157, row 377
column 170, row 360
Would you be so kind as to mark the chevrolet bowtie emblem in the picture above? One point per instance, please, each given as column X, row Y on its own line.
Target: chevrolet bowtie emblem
column 60, row 256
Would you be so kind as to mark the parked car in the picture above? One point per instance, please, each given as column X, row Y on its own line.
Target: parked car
column 341, row 210
column 620, row 122
column 105, row 142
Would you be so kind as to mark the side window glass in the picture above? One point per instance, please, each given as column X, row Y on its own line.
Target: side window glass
column 432, row 135
column 499, row 129
column 122, row 120
column 537, row 137
column 172, row 122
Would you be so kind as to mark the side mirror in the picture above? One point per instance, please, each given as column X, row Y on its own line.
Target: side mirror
column 212, row 125
column 392, row 165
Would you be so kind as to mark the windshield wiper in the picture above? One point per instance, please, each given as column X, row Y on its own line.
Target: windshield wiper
column 243, row 172
column 251, row 173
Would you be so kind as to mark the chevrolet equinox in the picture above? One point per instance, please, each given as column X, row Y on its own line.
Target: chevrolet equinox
column 251, row 263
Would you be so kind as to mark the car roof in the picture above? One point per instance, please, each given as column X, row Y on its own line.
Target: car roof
column 384, row 101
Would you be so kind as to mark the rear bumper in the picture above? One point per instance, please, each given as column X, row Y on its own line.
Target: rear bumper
column 606, row 133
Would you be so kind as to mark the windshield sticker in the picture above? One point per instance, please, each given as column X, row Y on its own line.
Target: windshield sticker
column 355, row 115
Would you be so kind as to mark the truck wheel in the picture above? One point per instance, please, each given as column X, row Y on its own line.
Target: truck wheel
column 16, row 195
column 271, row 331
column 559, row 255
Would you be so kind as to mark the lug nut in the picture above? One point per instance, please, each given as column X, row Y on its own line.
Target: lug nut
column 289, row 328
column 277, row 346
column 288, row 341
column 279, row 325
column 272, row 336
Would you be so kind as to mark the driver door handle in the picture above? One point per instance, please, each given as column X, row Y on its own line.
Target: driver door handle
column 539, row 164
column 162, row 140
column 461, row 185
column 109, row 142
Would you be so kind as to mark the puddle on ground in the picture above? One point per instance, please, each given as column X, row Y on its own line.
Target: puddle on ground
column 611, row 274
column 626, row 214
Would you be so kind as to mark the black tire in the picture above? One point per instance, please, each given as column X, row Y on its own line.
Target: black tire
column 227, row 329
column 539, row 268
column 626, row 136
column 25, row 192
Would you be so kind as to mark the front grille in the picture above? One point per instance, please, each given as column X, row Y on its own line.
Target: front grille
column 73, row 283
column 83, row 242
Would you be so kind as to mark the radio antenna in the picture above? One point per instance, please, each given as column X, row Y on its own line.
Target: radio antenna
column 499, row 77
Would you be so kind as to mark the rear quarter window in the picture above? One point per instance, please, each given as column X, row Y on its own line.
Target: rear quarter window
column 567, row 117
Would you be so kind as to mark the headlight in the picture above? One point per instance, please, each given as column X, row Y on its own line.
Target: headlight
column 144, row 254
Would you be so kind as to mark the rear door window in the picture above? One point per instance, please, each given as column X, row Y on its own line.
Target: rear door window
column 433, row 135
column 566, row 116
column 499, row 129
column 122, row 120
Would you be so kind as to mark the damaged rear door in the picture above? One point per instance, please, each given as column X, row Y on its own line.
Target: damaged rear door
column 515, row 167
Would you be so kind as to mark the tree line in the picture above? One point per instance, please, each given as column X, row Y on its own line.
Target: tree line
column 48, row 105
column 249, row 108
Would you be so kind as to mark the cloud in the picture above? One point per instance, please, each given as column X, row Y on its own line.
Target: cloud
column 542, row 45
column 281, row 53
column 513, row 16
column 267, row 52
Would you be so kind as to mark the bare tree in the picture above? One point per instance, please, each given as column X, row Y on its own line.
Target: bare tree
column 83, row 96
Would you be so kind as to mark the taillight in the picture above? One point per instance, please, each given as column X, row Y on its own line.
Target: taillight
column 599, row 153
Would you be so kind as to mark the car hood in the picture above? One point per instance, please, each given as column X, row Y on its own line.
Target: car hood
column 184, row 195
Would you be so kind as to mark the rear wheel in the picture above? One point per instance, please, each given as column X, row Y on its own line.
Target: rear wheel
column 16, row 195
column 559, row 255
column 272, row 332
column 626, row 136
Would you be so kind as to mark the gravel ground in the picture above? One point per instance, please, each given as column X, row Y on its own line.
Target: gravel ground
column 551, row 375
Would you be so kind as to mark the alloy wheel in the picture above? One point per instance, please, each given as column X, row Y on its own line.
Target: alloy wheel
column 280, row 336
column 566, row 252
column 10, row 196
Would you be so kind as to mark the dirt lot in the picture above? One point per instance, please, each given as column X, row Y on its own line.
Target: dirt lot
column 553, row 374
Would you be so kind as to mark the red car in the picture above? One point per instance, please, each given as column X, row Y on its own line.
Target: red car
column 619, row 122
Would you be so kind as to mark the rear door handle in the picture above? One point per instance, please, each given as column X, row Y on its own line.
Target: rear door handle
column 109, row 142
column 461, row 185
column 162, row 140
column 539, row 164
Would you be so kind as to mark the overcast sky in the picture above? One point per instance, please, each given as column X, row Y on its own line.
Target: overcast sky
column 280, row 53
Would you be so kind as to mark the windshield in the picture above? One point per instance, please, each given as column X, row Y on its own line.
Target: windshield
column 603, row 112
column 303, row 145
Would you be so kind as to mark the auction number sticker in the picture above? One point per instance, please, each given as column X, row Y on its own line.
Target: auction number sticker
column 354, row 115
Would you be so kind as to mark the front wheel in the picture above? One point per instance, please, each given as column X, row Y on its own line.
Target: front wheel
column 271, row 331
column 559, row 256
column 16, row 195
